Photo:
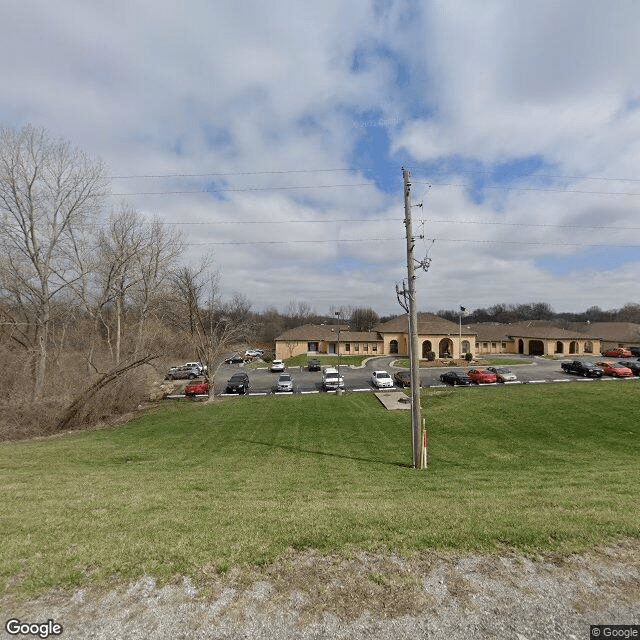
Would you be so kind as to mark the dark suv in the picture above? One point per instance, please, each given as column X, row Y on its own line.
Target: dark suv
column 314, row 365
column 238, row 383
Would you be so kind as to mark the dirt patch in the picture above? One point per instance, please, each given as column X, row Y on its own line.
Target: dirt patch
column 387, row 597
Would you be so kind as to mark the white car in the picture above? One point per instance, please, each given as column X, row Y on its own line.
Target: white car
column 381, row 379
column 253, row 353
column 277, row 365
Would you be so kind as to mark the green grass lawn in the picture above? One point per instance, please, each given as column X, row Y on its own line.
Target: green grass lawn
column 193, row 489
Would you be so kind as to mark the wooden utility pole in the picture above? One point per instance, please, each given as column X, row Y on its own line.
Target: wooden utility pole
column 414, row 354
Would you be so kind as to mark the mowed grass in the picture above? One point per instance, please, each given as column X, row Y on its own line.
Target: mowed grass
column 195, row 489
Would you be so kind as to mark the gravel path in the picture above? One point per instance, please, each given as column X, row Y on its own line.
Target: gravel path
column 308, row 596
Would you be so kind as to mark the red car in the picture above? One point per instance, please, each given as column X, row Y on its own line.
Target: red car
column 618, row 353
column 481, row 376
column 615, row 369
column 194, row 389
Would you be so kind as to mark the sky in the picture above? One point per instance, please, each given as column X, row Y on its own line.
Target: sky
column 274, row 136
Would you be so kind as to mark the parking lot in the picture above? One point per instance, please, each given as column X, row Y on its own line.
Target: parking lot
column 358, row 379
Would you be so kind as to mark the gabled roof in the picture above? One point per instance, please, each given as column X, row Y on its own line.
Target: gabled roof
column 327, row 333
column 428, row 324
column 496, row 332
column 628, row 332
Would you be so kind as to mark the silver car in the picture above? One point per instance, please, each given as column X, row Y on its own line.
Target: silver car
column 503, row 374
column 284, row 382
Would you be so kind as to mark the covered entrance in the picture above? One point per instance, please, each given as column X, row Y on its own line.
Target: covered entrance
column 536, row 347
column 445, row 349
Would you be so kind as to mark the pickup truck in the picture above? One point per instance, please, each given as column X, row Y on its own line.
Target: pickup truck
column 332, row 380
column 196, row 389
column 582, row 368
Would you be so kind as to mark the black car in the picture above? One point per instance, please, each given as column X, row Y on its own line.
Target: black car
column 635, row 351
column 314, row 365
column 633, row 365
column 238, row 383
column 402, row 378
column 234, row 360
column 455, row 379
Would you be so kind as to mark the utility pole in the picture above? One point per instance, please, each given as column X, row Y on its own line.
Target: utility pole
column 414, row 355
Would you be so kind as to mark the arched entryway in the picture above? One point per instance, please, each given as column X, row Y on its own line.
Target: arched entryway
column 521, row 346
column 573, row 347
column 465, row 347
column 536, row 348
column 393, row 346
column 559, row 346
column 588, row 346
column 426, row 348
column 445, row 348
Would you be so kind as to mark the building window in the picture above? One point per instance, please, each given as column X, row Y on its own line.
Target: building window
column 504, row 345
column 366, row 347
column 312, row 346
column 466, row 347
column 356, row 347
column 374, row 348
column 347, row 346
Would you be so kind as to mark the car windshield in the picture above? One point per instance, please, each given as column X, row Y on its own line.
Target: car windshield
column 331, row 375
column 237, row 377
column 502, row 370
column 285, row 378
column 383, row 375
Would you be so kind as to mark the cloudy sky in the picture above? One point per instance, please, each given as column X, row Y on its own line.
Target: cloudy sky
column 274, row 135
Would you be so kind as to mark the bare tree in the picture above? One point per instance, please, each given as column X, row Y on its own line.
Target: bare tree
column 363, row 319
column 48, row 194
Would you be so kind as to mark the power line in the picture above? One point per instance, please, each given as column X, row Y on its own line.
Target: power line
column 243, row 189
column 544, row 189
column 229, row 173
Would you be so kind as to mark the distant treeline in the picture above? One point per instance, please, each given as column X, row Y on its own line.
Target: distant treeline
column 506, row 313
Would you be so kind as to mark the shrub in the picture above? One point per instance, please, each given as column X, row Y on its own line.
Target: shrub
column 431, row 356
column 468, row 356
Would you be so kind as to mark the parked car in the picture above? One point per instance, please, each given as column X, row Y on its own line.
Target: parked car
column 277, row 365
column 618, row 353
column 633, row 365
column 196, row 389
column 480, row 376
column 402, row 378
column 314, row 365
column 238, row 383
column 182, row 373
column 332, row 380
column 615, row 369
column 253, row 353
column 503, row 374
column 455, row 378
column 635, row 351
column 582, row 368
column 284, row 382
column 381, row 379
column 234, row 360
column 196, row 365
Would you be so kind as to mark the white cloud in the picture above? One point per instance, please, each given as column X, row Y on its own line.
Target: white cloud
column 244, row 88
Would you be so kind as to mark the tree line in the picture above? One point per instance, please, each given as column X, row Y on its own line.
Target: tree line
column 506, row 313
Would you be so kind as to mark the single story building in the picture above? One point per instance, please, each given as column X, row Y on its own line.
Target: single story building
column 435, row 334
column 533, row 339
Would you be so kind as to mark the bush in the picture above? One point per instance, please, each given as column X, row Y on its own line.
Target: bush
column 431, row 356
column 468, row 356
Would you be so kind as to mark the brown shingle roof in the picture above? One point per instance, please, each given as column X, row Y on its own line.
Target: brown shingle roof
column 428, row 324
